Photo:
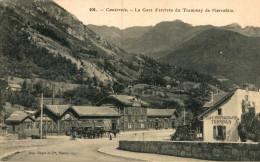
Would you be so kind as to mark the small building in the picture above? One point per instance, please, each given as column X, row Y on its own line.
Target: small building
column 59, row 119
column 133, row 111
column 167, row 78
column 14, row 87
column 19, row 121
column 168, row 86
column 223, row 114
column 161, row 118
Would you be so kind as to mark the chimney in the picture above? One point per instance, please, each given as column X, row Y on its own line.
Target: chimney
column 211, row 98
column 245, row 86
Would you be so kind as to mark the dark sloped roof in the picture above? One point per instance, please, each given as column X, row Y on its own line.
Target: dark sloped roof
column 127, row 100
column 216, row 98
column 217, row 103
column 57, row 109
column 18, row 116
column 160, row 112
column 94, row 111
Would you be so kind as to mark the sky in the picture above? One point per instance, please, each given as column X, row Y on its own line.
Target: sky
column 246, row 13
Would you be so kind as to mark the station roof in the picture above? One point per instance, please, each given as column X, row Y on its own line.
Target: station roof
column 18, row 116
column 94, row 111
column 161, row 112
column 57, row 109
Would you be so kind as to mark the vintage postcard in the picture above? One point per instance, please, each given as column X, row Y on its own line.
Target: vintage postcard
column 129, row 80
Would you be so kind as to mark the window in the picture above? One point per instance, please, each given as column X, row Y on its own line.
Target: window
column 100, row 121
column 129, row 125
column 28, row 125
column 219, row 111
column 142, row 125
column 219, row 132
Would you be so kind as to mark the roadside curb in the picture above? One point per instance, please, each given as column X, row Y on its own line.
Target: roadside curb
column 9, row 154
column 151, row 156
column 101, row 150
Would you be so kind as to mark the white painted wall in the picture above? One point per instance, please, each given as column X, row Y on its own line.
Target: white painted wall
column 233, row 108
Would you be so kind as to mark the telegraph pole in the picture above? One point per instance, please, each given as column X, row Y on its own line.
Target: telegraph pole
column 41, row 113
column 53, row 94
column 184, row 115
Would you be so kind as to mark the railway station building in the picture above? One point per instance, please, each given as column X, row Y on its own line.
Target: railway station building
column 133, row 111
column 58, row 119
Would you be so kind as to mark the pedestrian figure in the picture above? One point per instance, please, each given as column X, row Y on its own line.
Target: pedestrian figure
column 110, row 135
column 74, row 135
column 114, row 133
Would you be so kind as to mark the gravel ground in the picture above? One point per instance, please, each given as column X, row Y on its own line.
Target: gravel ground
column 64, row 149
column 8, row 146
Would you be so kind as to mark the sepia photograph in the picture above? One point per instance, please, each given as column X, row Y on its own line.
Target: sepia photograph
column 129, row 80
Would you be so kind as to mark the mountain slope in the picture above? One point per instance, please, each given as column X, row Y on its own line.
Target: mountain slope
column 160, row 39
column 41, row 39
column 117, row 36
column 222, row 53
column 112, row 34
column 248, row 30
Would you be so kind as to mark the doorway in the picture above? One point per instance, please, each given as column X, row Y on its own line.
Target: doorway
column 114, row 123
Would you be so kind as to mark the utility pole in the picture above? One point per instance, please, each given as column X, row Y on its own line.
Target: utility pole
column 41, row 113
column 124, row 119
column 46, row 125
column 184, row 115
column 53, row 94
column 134, row 118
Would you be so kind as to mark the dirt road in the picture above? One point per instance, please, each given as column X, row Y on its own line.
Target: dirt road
column 85, row 149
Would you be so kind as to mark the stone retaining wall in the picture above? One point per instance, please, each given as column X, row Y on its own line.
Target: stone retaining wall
column 199, row 150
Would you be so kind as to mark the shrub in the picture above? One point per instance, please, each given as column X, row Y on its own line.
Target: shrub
column 249, row 127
